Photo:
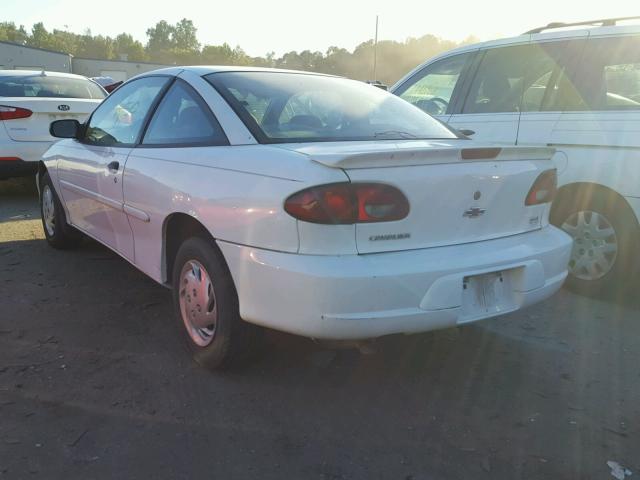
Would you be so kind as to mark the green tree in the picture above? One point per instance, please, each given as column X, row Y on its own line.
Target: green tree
column 178, row 44
column 217, row 55
column 10, row 33
column 185, row 36
column 124, row 44
column 95, row 47
column 161, row 41
column 39, row 36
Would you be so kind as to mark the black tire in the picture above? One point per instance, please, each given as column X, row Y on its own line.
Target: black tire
column 59, row 233
column 618, row 215
column 233, row 340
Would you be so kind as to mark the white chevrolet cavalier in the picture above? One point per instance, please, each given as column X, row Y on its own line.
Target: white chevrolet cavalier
column 306, row 203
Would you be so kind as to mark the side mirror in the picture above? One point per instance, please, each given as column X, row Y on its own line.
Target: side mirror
column 65, row 128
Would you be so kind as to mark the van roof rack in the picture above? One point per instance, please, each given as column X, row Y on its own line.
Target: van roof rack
column 603, row 22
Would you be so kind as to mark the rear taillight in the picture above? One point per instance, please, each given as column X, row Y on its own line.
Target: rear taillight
column 543, row 189
column 347, row 203
column 13, row 113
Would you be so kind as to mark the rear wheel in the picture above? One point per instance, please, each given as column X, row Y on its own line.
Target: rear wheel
column 605, row 235
column 57, row 231
column 206, row 307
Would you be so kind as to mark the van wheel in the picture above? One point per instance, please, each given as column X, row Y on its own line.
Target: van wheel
column 206, row 307
column 57, row 231
column 604, row 233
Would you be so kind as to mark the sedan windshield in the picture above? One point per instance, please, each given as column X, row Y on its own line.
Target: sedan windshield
column 294, row 107
column 44, row 86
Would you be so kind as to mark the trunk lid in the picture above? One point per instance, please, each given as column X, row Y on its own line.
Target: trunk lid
column 45, row 110
column 458, row 192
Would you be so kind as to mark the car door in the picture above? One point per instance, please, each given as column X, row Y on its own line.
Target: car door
column 492, row 104
column 183, row 137
column 90, row 169
column 549, row 83
column 434, row 88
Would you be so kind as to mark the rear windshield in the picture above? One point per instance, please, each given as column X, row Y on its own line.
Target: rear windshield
column 289, row 107
column 53, row 87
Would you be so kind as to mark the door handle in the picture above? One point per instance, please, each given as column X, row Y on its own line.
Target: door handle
column 114, row 166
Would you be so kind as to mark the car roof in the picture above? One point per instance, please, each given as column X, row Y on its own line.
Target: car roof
column 207, row 69
column 557, row 34
column 38, row 73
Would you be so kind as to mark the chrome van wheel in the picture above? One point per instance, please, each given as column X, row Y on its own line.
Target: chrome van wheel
column 595, row 246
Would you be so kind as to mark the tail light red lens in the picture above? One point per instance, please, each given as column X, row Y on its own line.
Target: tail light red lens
column 347, row 203
column 543, row 189
column 13, row 113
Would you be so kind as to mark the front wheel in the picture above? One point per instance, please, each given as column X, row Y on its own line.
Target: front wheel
column 57, row 231
column 605, row 236
column 206, row 306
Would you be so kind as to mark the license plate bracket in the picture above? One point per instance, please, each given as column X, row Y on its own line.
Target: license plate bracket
column 486, row 295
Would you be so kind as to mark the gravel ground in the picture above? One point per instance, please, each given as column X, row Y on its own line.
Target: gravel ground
column 94, row 383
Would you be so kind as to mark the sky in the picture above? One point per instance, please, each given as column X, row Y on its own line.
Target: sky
column 261, row 26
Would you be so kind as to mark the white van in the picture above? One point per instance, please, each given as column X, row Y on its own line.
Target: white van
column 577, row 90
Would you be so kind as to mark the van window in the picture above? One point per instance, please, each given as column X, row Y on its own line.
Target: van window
column 432, row 87
column 498, row 84
column 549, row 77
column 609, row 76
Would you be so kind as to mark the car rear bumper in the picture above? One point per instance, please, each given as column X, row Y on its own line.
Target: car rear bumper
column 28, row 154
column 366, row 296
column 16, row 168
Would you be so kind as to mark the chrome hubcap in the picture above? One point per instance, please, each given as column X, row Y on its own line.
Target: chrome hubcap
column 198, row 305
column 48, row 210
column 595, row 245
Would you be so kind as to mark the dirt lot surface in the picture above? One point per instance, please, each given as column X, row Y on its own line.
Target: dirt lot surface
column 94, row 383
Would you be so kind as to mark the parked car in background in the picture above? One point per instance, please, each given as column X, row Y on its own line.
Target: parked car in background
column 111, row 87
column 575, row 90
column 108, row 83
column 307, row 203
column 29, row 102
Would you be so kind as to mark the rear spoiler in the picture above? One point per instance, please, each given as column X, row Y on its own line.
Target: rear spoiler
column 430, row 156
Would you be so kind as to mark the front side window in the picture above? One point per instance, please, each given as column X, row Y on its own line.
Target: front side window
column 498, row 83
column 314, row 108
column 182, row 118
column 38, row 85
column 431, row 89
column 118, row 121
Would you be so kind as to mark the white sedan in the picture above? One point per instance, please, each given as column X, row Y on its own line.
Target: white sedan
column 29, row 102
column 306, row 203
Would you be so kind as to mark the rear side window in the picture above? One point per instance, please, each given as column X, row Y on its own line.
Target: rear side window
column 609, row 75
column 182, row 118
column 431, row 88
column 498, row 83
column 49, row 87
